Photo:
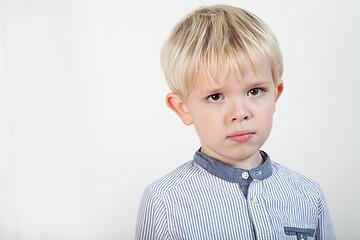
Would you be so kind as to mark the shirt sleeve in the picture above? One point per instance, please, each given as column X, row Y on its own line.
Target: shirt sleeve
column 151, row 221
column 324, row 230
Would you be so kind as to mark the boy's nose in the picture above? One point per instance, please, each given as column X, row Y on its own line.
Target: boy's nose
column 239, row 112
column 240, row 117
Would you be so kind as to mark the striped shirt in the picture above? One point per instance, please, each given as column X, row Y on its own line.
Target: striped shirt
column 206, row 199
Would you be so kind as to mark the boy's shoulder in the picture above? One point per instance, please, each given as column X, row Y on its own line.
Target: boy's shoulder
column 175, row 178
column 296, row 179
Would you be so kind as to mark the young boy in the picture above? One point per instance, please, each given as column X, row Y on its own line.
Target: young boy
column 224, row 67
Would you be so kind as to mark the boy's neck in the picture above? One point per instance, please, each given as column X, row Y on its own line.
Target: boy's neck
column 249, row 163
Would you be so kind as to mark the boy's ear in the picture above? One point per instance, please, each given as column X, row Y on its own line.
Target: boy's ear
column 176, row 104
column 278, row 91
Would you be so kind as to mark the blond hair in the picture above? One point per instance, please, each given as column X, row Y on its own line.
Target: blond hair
column 210, row 36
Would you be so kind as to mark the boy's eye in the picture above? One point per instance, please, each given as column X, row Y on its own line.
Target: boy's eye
column 217, row 97
column 255, row 92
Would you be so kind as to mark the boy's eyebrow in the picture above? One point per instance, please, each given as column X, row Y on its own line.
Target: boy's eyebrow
column 210, row 90
column 250, row 84
column 259, row 82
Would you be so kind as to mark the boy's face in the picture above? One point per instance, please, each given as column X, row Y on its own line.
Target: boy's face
column 233, row 117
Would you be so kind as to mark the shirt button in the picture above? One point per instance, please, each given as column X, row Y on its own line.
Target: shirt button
column 254, row 200
column 245, row 175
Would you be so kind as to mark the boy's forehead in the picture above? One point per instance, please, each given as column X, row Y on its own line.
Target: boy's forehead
column 216, row 76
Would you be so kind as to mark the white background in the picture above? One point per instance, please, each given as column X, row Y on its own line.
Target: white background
column 84, row 127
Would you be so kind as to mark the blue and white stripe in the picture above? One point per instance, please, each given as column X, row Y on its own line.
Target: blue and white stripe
column 196, row 202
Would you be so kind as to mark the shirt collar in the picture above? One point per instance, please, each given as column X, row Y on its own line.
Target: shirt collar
column 231, row 174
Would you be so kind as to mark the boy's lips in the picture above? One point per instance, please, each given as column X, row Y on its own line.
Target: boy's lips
column 241, row 136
